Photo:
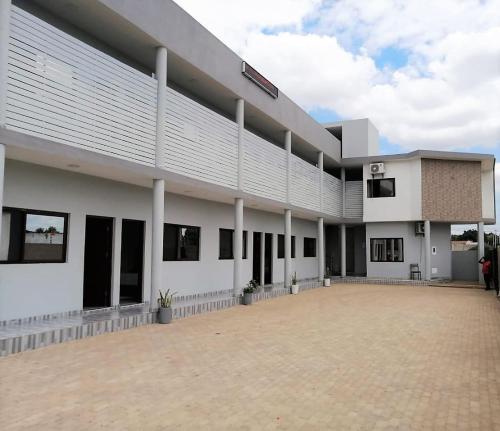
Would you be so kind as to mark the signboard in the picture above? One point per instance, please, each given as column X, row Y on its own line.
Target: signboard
column 258, row 79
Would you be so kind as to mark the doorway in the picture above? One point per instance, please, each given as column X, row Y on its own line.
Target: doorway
column 98, row 262
column 132, row 260
column 256, row 257
column 268, row 258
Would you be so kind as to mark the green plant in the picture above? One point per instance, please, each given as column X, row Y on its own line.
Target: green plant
column 165, row 299
column 251, row 287
column 294, row 278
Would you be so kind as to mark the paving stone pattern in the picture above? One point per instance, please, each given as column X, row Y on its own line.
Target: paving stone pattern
column 348, row 357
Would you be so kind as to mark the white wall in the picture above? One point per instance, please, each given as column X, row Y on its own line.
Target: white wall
column 407, row 204
column 34, row 289
column 488, row 193
column 413, row 248
column 359, row 138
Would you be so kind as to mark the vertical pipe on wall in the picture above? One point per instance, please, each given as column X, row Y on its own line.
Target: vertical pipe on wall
column 2, row 174
column 480, row 249
column 288, row 149
column 4, row 56
column 157, row 239
column 321, row 249
column 240, row 121
column 320, row 167
column 237, row 245
column 343, row 269
column 428, row 251
column 288, row 247
column 161, row 103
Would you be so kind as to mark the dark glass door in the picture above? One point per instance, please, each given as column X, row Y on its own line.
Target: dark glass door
column 256, row 257
column 268, row 259
column 98, row 262
column 132, row 259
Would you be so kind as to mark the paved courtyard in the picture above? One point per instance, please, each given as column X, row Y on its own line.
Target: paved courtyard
column 350, row 357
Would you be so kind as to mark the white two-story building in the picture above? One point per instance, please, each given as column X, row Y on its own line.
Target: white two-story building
column 138, row 153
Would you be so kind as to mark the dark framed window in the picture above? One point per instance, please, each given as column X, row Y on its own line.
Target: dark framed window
column 382, row 188
column 33, row 236
column 226, row 238
column 181, row 242
column 309, row 247
column 281, row 246
column 386, row 250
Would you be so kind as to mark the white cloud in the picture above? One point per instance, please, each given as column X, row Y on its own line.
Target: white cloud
column 447, row 97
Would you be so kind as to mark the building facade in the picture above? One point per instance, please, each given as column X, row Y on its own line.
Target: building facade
column 139, row 153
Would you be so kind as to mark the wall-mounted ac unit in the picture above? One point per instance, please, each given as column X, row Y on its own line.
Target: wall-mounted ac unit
column 419, row 228
column 377, row 168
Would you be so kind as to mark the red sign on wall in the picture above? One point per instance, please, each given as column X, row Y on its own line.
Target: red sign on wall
column 258, row 79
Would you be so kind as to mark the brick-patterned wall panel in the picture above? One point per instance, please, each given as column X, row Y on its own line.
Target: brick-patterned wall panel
column 451, row 190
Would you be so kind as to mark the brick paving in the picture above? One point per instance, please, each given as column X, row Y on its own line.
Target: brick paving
column 349, row 357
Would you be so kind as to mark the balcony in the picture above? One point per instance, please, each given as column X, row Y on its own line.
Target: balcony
column 63, row 90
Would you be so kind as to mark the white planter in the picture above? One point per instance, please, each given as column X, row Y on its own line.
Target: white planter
column 295, row 289
column 326, row 282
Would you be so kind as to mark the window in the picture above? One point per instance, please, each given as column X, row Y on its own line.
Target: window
column 31, row 236
column 181, row 242
column 382, row 188
column 226, row 238
column 281, row 246
column 309, row 247
column 386, row 250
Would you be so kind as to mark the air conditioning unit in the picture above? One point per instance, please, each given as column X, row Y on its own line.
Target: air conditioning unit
column 377, row 168
column 419, row 228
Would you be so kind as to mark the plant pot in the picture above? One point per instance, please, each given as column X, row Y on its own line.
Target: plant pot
column 326, row 282
column 247, row 298
column 165, row 315
column 295, row 289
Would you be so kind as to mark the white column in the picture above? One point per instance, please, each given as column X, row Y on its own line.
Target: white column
column 262, row 258
column 288, row 247
column 321, row 249
column 157, row 240
column 342, row 177
column 2, row 174
column 320, row 167
column 237, row 245
column 117, row 262
column 343, row 270
column 4, row 55
column 288, row 149
column 161, row 92
column 480, row 249
column 428, row 251
column 240, row 121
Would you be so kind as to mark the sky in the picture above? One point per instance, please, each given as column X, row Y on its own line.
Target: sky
column 426, row 72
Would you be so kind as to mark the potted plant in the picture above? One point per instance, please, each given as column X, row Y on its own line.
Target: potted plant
column 326, row 280
column 295, row 286
column 165, row 306
column 248, row 292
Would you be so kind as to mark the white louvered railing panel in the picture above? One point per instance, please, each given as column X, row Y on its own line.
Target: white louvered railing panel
column 200, row 143
column 264, row 168
column 332, row 195
column 354, row 199
column 62, row 89
column 304, row 184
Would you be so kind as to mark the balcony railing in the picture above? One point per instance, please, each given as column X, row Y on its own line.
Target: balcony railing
column 354, row 199
column 64, row 90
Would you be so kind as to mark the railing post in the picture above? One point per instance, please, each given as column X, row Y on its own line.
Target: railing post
column 161, row 77
column 4, row 56
column 320, row 167
column 240, row 121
